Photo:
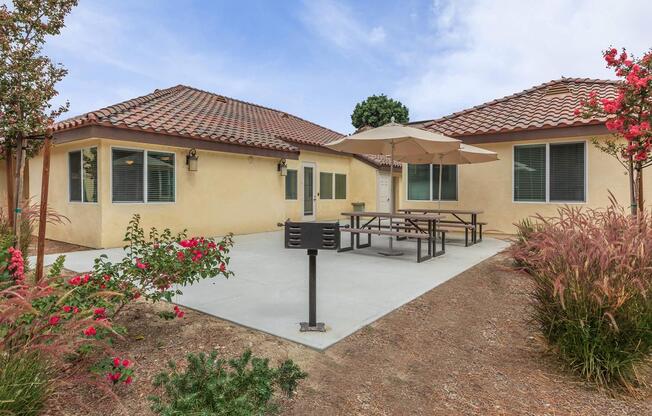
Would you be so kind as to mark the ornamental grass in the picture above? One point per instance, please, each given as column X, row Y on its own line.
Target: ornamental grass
column 592, row 296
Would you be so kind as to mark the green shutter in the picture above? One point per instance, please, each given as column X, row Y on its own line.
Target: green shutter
column 325, row 185
column 448, row 182
column 291, row 184
column 340, row 186
column 419, row 182
column 567, row 172
column 530, row 173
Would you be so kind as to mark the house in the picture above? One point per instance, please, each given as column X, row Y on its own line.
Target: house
column 186, row 158
column 546, row 157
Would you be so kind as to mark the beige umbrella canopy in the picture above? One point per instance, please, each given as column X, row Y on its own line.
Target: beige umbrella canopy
column 395, row 140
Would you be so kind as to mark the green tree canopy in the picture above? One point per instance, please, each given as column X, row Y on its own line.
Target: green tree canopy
column 378, row 110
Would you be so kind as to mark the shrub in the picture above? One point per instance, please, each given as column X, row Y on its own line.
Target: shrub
column 213, row 386
column 592, row 297
column 25, row 384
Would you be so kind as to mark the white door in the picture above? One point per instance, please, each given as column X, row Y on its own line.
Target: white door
column 384, row 192
column 309, row 198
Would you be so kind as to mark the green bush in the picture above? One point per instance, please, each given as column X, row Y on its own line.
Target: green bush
column 212, row 386
column 592, row 296
column 25, row 384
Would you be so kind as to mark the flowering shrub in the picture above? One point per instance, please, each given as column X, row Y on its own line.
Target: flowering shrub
column 592, row 292
column 629, row 114
column 213, row 386
column 157, row 267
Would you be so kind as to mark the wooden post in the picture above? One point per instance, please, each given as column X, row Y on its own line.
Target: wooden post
column 42, row 219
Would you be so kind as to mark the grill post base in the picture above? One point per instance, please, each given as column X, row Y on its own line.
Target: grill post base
column 306, row 327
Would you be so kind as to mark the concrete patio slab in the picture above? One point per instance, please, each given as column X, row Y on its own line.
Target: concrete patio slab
column 270, row 289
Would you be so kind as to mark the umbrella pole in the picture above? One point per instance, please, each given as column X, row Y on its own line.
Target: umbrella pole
column 392, row 208
column 441, row 160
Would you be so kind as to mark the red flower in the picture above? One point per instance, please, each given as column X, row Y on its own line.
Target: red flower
column 54, row 319
column 75, row 281
column 116, row 362
column 67, row 309
column 141, row 265
column 222, row 267
column 90, row 331
column 128, row 380
column 107, row 277
column 100, row 313
column 180, row 256
column 125, row 363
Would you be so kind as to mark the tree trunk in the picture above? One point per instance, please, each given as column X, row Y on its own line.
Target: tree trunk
column 20, row 157
column 9, row 173
column 632, row 187
column 639, row 183
column 42, row 219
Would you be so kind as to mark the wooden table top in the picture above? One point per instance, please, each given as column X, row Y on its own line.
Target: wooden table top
column 443, row 211
column 425, row 216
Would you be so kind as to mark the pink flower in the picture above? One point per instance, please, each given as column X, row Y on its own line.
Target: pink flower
column 180, row 256
column 54, row 320
column 141, row 265
column 90, row 331
column 67, row 309
column 75, row 281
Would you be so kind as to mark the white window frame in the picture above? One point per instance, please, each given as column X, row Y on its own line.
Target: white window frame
column 81, row 181
column 548, row 201
column 431, row 196
column 145, row 196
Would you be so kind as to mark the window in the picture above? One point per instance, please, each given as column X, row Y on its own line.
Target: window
column 325, row 185
column 291, row 184
column 160, row 177
column 134, row 171
column 340, row 186
column 82, row 175
column 423, row 182
column 550, row 173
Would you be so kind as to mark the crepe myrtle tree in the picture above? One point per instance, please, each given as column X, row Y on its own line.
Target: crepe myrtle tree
column 27, row 82
column 378, row 110
column 629, row 116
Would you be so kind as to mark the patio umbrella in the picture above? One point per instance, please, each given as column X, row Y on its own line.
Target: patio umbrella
column 466, row 154
column 395, row 140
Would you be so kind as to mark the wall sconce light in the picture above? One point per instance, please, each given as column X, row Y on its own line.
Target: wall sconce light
column 191, row 160
column 282, row 167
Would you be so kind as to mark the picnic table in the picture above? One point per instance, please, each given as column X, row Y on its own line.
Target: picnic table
column 373, row 224
column 471, row 223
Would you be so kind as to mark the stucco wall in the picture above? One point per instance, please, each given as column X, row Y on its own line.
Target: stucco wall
column 229, row 193
column 488, row 186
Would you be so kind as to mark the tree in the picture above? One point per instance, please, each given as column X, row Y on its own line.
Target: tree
column 378, row 110
column 27, row 83
column 629, row 117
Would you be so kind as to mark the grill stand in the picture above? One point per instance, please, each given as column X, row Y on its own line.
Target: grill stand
column 312, row 325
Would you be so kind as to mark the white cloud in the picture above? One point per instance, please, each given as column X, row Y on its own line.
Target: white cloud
column 485, row 49
column 338, row 25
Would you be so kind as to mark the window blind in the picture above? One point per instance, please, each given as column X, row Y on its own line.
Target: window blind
column 291, row 184
column 340, row 186
column 74, row 176
column 419, row 182
column 160, row 177
column 127, row 177
column 448, row 182
column 89, row 172
column 567, row 172
column 325, row 185
column 530, row 173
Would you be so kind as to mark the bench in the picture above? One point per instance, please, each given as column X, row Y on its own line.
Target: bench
column 398, row 234
column 447, row 225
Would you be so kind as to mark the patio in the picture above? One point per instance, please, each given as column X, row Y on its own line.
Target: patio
column 270, row 289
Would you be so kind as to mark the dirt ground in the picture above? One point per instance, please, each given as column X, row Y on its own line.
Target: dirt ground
column 55, row 247
column 463, row 348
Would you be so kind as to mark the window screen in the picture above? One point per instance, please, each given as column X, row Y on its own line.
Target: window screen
column 448, row 182
column 567, row 172
column 419, row 182
column 530, row 173
column 325, row 185
column 89, row 173
column 291, row 184
column 340, row 186
column 127, row 177
column 160, row 177
column 74, row 176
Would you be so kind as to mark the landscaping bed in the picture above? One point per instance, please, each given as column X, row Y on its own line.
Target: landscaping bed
column 465, row 347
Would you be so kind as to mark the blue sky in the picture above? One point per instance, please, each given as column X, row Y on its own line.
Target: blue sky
column 317, row 59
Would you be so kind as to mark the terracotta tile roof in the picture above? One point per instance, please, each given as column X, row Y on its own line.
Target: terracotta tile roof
column 190, row 112
column 383, row 161
column 547, row 105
